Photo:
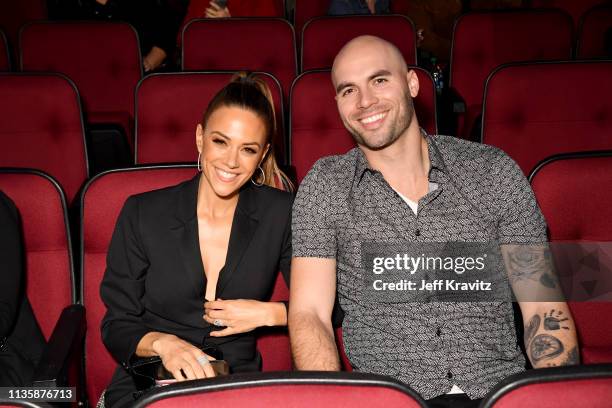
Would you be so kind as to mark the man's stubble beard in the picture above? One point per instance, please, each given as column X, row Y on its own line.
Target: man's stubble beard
column 396, row 129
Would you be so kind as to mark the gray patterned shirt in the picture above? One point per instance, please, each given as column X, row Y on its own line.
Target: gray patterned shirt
column 482, row 196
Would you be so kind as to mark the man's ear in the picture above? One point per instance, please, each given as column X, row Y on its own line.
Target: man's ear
column 199, row 137
column 413, row 83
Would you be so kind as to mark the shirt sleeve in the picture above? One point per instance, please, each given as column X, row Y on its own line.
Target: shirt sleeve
column 520, row 218
column 313, row 227
column 123, row 287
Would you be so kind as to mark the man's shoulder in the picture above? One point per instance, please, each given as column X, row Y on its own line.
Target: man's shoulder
column 334, row 169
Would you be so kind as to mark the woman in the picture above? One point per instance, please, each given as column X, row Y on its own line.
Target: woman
column 190, row 266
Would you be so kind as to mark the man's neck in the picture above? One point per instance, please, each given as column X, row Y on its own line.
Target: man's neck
column 404, row 164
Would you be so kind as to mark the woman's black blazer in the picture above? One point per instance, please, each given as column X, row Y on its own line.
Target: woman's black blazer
column 155, row 280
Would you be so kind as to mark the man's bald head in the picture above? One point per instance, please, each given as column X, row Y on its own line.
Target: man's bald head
column 369, row 45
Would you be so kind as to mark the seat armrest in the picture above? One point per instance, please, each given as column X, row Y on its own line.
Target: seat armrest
column 63, row 352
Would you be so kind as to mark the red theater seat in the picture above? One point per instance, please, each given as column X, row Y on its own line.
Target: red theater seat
column 281, row 390
column 559, row 387
column 574, row 192
column 103, row 59
column 41, row 127
column 49, row 270
column 304, row 11
column 533, row 111
column 169, row 106
column 316, row 128
column 484, row 40
column 594, row 26
column 241, row 44
column 14, row 14
column 575, row 8
column 101, row 202
column 323, row 37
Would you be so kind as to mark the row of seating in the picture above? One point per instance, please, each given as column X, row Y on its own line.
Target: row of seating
column 532, row 111
column 573, row 191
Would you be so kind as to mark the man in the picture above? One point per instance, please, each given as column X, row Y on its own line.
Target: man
column 401, row 184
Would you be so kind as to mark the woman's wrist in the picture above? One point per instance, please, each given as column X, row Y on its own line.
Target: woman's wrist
column 276, row 314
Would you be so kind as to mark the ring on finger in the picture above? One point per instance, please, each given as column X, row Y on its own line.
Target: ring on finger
column 218, row 322
column 203, row 361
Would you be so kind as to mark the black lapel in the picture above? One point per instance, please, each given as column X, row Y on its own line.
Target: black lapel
column 244, row 226
column 185, row 232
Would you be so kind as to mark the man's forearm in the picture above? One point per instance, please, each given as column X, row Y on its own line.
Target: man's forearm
column 550, row 337
column 312, row 343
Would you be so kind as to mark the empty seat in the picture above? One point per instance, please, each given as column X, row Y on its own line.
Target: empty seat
column 101, row 201
column 572, row 7
column 14, row 14
column 41, row 127
column 305, row 10
column 559, row 387
column 574, row 192
column 323, row 37
column 595, row 33
column 102, row 58
column 316, row 127
column 241, row 44
column 484, row 40
column 169, row 106
column 533, row 111
column 5, row 60
column 280, row 390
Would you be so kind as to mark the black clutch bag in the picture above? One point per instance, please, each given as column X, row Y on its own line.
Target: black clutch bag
column 149, row 372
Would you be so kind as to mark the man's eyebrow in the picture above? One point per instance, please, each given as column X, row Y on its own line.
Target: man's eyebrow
column 381, row 72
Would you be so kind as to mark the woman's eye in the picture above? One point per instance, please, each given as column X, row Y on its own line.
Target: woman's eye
column 219, row 141
column 250, row 150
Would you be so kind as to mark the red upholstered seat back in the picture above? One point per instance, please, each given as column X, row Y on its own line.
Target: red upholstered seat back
column 248, row 44
column 323, row 37
column 295, row 390
column 316, row 127
column 594, row 26
column 41, row 127
column 559, row 387
column 533, row 111
column 575, row 195
column 102, row 201
column 484, row 40
column 169, row 106
column 48, row 255
column 14, row 14
column 103, row 59
column 575, row 8
column 304, row 11
column 5, row 61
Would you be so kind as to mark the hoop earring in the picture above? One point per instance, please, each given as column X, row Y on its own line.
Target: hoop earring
column 263, row 176
column 199, row 165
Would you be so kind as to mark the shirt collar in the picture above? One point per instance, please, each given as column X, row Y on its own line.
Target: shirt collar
column 436, row 161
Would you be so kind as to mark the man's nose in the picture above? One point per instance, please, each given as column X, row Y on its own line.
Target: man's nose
column 367, row 99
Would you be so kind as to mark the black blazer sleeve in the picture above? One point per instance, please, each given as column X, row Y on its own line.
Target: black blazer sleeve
column 11, row 262
column 123, row 286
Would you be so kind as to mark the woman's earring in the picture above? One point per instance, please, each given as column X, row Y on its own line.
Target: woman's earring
column 263, row 177
column 199, row 165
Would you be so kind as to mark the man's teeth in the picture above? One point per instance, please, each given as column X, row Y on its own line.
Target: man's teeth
column 374, row 118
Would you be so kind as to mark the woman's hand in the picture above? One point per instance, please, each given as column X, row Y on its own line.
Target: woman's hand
column 182, row 359
column 243, row 315
column 215, row 11
column 153, row 59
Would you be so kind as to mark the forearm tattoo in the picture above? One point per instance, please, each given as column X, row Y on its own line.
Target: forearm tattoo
column 531, row 262
column 546, row 346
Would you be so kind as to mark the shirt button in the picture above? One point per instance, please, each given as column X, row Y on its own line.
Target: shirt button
column 438, row 332
column 449, row 375
column 417, row 232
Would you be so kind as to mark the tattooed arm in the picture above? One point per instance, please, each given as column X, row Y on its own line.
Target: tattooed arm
column 550, row 333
